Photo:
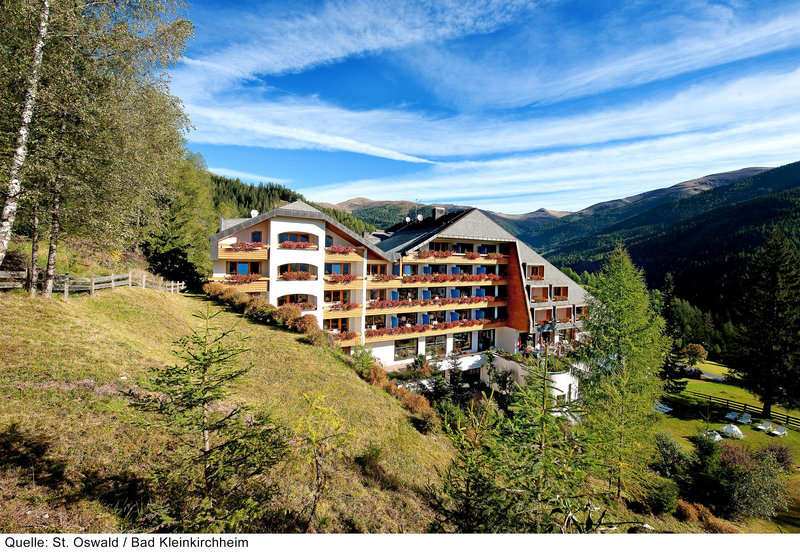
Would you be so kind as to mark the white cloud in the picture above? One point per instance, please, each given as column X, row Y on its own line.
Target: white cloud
column 253, row 177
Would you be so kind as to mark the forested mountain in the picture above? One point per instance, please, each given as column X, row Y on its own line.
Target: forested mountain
column 705, row 240
column 589, row 221
column 233, row 198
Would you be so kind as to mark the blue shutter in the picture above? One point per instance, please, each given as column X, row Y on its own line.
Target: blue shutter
column 394, row 321
column 455, row 271
column 406, row 270
column 395, row 295
column 480, row 293
column 426, row 270
column 242, row 268
column 481, row 271
column 481, row 249
column 478, row 314
column 454, row 293
column 453, row 316
column 396, row 270
column 426, row 319
column 426, row 294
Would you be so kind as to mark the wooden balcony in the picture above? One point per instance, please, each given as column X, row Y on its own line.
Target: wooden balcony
column 262, row 285
column 357, row 256
column 225, row 253
column 399, row 284
column 459, row 259
column 436, row 308
column 329, row 313
column 434, row 332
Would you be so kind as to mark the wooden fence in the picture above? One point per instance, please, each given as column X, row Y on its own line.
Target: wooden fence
column 775, row 416
column 67, row 284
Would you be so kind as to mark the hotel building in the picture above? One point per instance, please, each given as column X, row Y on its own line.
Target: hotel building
column 451, row 281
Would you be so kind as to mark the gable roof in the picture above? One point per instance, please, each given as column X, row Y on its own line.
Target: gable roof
column 298, row 209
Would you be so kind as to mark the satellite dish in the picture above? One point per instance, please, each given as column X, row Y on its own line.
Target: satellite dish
column 420, row 217
column 253, row 213
column 408, row 220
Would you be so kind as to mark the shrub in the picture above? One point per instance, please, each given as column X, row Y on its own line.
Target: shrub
column 287, row 314
column 415, row 403
column 260, row 310
column 320, row 338
column 240, row 301
column 686, row 512
column 377, row 376
column 228, row 295
column 305, row 323
column 662, row 496
column 703, row 513
column 213, row 289
column 715, row 525
column 670, row 460
column 694, row 353
column 426, row 422
column 781, row 453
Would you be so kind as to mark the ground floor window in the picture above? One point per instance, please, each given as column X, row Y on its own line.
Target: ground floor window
column 406, row 348
column 462, row 342
column 338, row 324
column 485, row 340
column 436, row 346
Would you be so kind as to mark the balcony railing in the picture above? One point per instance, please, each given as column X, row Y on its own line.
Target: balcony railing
column 451, row 257
column 243, row 251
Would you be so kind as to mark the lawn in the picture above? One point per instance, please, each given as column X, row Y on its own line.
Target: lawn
column 692, row 415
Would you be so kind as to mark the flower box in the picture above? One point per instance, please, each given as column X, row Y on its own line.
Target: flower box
column 243, row 279
column 339, row 249
column 344, row 306
column 345, row 335
column 495, row 256
column 341, row 278
column 560, row 298
column 297, row 276
column 472, row 255
column 384, row 278
column 245, row 246
column 539, row 299
column 304, row 306
column 292, row 245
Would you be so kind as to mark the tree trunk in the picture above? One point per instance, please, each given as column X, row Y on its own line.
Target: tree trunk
column 12, row 195
column 47, row 289
column 767, row 410
column 33, row 272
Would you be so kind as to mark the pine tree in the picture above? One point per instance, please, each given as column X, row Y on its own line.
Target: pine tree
column 219, row 480
column 767, row 359
column 624, row 353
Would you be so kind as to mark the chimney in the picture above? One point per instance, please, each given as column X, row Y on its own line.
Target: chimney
column 438, row 212
column 253, row 213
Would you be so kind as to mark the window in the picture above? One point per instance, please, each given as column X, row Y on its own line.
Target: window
column 406, row 319
column 376, row 321
column 410, row 269
column 438, row 246
column 328, row 241
column 536, row 272
column 255, row 267
column 462, row 314
column 406, row 348
column 294, row 267
column 436, row 346
column 407, row 294
column 376, row 269
column 485, row 340
column 337, row 296
column 462, row 342
column 231, row 268
column 437, row 317
column 438, row 268
column 339, row 324
column 337, row 269
column 560, row 291
column 293, row 299
column 294, row 237
column 377, row 294
column 438, row 292
column 255, row 236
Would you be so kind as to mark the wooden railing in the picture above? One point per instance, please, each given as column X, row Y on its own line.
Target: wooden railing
column 67, row 284
column 752, row 408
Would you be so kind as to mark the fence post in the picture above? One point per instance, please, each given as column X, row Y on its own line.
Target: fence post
column 91, row 285
column 144, row 279
column 66, row 287
column 130, row 278
column 112, row 280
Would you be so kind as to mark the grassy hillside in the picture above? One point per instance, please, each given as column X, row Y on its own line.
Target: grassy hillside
column 64, row 366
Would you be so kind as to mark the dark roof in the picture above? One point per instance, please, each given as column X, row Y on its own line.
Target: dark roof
column 403, row 237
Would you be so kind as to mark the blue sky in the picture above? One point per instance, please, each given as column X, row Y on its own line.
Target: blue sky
column 508, row 106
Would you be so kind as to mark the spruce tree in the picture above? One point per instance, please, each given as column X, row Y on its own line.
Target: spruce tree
column 623, row 354
column 767, row 346
column 219, row 480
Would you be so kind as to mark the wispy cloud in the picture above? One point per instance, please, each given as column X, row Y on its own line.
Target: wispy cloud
column 251, row 177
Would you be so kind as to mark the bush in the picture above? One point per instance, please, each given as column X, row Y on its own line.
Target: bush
column 662, row 496
column 671, row 461
column 287, row 314
column 377, row 376
column 214, row 289
column 426, row 422
column 715, row 525
column 686, row 512
column 240, row 302
column 305, row 323
column 260, row 310
column 228, row 295
column 694, row 353
column 780, row 453
column 320, row 338
column 416, row 403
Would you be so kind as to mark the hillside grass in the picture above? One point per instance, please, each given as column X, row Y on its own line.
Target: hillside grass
column 63, row 365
